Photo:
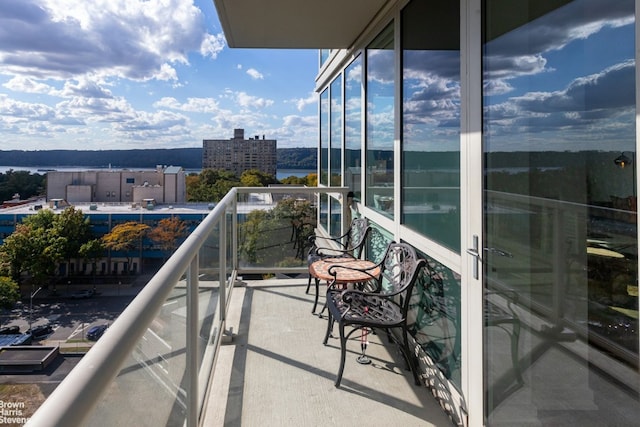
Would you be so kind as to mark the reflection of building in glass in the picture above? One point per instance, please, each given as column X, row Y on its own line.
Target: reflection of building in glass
column 238, row 154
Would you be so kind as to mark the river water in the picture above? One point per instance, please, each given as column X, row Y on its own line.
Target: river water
column 281, row 174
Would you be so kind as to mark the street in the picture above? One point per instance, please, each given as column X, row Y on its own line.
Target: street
column 70, row 318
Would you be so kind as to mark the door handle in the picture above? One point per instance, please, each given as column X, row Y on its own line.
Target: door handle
column 475, row 253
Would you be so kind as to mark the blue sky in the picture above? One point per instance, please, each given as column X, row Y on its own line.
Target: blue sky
column 124, row 74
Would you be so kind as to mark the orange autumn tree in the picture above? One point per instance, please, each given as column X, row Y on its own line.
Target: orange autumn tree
column 126, row 238
column 168, row 233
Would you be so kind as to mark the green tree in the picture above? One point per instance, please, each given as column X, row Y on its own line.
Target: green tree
column 294, row 180
column 256, row 178
column 9, row 293
column 92, row 251
column 310, row 180
column 253, row 235
column 15, row 251
column 75, row 228
column 22, row 183
column 126, row 238
column 211, row 185
column 33, row 249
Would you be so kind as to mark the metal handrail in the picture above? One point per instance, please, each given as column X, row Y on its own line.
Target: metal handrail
column 73, row 401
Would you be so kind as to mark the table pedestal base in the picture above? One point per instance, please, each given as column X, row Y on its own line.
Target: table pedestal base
column 363, row 359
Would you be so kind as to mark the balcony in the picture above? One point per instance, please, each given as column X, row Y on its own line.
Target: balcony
column 202, row 344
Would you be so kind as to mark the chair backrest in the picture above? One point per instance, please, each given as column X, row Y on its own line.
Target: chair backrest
column 357, row 236
column 400, row 268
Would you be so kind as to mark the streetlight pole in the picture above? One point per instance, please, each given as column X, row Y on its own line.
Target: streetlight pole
column 33, row 294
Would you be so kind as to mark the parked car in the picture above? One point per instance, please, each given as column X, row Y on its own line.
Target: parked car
column 41, row 331
column 85, row 293
column 23, row 339
column 10, row 330
column 95, row 332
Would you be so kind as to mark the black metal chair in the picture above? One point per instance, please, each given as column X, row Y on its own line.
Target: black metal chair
column 382, row 303
column 350, row 244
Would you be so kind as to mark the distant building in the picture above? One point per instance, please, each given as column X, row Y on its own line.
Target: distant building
column 164, row 185
column 238, row 154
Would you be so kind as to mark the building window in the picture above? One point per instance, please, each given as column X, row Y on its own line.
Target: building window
column 335, row 155
column 431, row 120
column 380, row 122
column 324, row 137
column 353, row 127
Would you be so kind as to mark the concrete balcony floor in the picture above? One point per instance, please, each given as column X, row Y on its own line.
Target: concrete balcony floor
column 277, row 372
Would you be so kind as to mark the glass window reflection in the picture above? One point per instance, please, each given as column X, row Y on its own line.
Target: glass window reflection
column 561, row 211
column 380, row 122
column 353, row 127
column 324, row 137
column 335, row 161
column 431, row 120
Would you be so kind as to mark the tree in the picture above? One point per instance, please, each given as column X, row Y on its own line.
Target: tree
column 168, row 233
column 22, row 183
column 92, row 251
column 75, row 227
column 211, row 185
column 9, row 293
column 34, row 249
column 310, row 180
column 15, row 251
column 256, row 178
column 125, row 238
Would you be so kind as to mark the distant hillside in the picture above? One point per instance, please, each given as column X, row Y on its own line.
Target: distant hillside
column 188, row 158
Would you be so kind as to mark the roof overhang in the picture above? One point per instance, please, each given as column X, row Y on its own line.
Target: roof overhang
column 295, row 24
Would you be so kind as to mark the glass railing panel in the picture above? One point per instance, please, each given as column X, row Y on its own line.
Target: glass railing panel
column 275, row 234
column 153, row 382
column 153, row 375
column 208, row 292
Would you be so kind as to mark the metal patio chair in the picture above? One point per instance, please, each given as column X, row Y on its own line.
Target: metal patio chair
column 382, row 304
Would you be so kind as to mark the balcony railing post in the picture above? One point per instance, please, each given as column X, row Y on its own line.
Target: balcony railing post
column 192, row 343
column 234, row 232
column 223, row 271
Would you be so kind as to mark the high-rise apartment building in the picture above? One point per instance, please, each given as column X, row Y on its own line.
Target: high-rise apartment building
column 239, row 154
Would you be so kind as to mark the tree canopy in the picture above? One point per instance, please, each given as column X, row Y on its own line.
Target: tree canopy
column 168, row 232
column 126, row 238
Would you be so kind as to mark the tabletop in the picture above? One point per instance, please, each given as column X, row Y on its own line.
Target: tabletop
column 320, row 270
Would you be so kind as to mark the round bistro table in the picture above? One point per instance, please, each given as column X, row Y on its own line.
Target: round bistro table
column 343, row 276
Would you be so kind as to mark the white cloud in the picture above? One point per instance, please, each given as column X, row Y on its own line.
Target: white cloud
column 133, row 39
column 301, row 103
column 255, row 74
column 27, row 85
column 83, row 87
column 245, row 100
column 13, row 110
column 212, row 45
column 193, row 105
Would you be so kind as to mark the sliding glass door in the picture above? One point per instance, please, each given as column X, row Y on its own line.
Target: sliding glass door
column 560, row 213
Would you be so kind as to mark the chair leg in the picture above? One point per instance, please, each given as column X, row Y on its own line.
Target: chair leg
column 343, row 353
column 411, row 363
column 315, row 303
column 329, row 327
column 308, row 285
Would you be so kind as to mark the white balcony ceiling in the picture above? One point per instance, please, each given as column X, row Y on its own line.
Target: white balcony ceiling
column 295, row 24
